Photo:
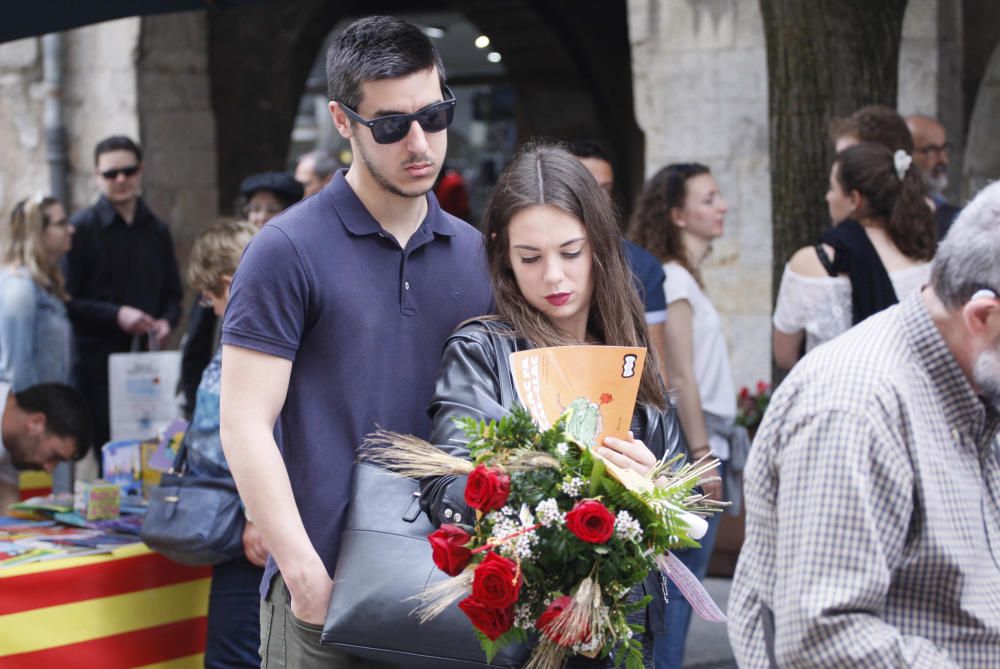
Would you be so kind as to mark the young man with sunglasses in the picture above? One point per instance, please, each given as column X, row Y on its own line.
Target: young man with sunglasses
column 337, row 317
column 121, row 273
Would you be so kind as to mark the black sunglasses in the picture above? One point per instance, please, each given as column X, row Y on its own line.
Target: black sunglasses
column 391, row 129
column 129, row 171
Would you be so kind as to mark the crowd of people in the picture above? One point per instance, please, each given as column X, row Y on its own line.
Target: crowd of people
column 872, row 488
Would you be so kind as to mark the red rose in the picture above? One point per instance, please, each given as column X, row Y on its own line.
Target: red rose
column 487, row 489
column 491, row 622
column 591, row 521
column 762, row 387
column 496, row 582
column 450, row 554
column 550, row 615
column 744, row 393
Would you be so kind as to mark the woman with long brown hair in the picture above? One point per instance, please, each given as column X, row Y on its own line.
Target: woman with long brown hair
column 879, row 250
column 679, row 213
column 559, row 278
column 35, row 334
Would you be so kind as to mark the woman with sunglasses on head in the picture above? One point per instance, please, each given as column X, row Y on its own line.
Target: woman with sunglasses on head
column 35, row 334
column 560, row 278
column 679, row 213
column 879, row 250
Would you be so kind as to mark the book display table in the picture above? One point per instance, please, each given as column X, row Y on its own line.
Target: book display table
column 132, row 608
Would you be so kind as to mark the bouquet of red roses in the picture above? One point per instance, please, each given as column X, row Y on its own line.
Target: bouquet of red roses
column 560, row 538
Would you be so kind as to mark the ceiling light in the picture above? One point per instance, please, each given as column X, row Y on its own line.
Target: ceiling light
column 482, row 42
column 493, row 57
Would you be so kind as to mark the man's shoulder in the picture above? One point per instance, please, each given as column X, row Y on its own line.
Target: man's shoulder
column 641, row 261
column 857, row 370
column 84, row 217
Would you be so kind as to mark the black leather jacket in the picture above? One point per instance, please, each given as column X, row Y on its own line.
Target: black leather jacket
column 475, row 381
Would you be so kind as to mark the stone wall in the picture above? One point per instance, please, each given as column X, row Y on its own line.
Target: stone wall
column 22, row 138
column 699, row 72
column 99, row 98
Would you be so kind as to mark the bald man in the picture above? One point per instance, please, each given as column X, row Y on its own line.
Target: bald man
column 930, row 154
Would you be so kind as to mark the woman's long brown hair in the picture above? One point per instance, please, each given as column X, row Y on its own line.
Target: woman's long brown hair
column 900, row 205
column 547, row 174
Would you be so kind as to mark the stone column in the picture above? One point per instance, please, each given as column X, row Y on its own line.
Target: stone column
column 700, row 80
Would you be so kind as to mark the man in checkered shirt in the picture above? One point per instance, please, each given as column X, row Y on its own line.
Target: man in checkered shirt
column 873, row 487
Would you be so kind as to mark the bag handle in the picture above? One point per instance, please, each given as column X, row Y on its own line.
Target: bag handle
column 179, row 465
column 152, row 343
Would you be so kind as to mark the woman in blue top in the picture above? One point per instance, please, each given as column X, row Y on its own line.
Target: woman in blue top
column 234, row 601
column 35, row 334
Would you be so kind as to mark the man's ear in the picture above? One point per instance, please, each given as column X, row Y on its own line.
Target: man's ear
column 35, row 422
column 976, row 315
column 340, row 120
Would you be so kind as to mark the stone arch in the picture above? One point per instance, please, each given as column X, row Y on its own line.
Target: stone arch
column 982, row 154
column 570, row 69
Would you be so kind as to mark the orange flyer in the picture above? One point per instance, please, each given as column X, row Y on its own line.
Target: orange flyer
column 595, row 385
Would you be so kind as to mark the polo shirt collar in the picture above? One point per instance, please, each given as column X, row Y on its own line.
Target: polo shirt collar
column 107, row 214
column 359, row 221
column 964, row 410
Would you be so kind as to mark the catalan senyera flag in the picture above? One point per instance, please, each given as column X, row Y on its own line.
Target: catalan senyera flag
column 132, row 608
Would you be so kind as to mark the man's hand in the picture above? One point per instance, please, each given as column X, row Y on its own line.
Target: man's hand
column 253, row 545
column 134, row 321
column 161, row 328
column 310, row 590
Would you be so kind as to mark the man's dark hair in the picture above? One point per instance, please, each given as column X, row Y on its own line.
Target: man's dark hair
column 117, row 143
column 589, row 148
column 375, row 48
column 876, row 124
column 65, row 412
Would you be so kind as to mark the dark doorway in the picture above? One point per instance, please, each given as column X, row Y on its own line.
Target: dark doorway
column 569, row 68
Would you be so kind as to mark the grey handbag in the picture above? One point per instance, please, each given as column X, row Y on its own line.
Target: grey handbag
column 194, row 520
column 384, row 559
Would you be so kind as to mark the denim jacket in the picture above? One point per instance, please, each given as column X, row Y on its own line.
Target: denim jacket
column 35, row 334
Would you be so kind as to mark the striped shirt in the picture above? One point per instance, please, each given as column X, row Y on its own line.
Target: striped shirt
column 873, row 502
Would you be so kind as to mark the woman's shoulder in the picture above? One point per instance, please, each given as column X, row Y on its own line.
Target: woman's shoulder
column 805, row 262
column 16, row 282
column 680, row 283
column 482, row 328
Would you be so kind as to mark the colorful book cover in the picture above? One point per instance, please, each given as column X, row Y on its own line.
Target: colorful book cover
column 596, row 386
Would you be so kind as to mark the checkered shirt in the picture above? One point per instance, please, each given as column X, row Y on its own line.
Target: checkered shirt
column 873, row 510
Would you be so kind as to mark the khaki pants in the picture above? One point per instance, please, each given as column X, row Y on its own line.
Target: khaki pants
column 288, row 642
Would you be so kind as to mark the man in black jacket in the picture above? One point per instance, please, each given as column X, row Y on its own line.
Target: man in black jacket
column 121, row 274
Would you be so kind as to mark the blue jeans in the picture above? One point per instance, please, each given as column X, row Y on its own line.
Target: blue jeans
column 668, row 649
column 234, row 616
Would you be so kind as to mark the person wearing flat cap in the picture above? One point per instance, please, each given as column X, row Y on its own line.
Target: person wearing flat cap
column 262, row 197
column 267, row 194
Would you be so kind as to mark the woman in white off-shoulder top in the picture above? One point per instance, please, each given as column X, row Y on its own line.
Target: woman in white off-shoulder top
column 878, row 251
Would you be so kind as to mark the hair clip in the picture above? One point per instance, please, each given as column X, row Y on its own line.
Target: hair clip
column 901, row 160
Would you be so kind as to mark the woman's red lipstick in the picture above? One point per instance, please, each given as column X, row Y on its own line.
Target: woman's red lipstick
column 557, row 299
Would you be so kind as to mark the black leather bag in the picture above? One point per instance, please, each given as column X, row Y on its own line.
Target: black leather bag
column 384, row 559
column 194, row 520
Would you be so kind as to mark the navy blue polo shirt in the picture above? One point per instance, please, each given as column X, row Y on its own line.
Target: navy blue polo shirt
column 363, row 322
column 648, row 276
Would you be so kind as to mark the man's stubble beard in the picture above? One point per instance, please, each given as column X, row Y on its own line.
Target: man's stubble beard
column 388, row 185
